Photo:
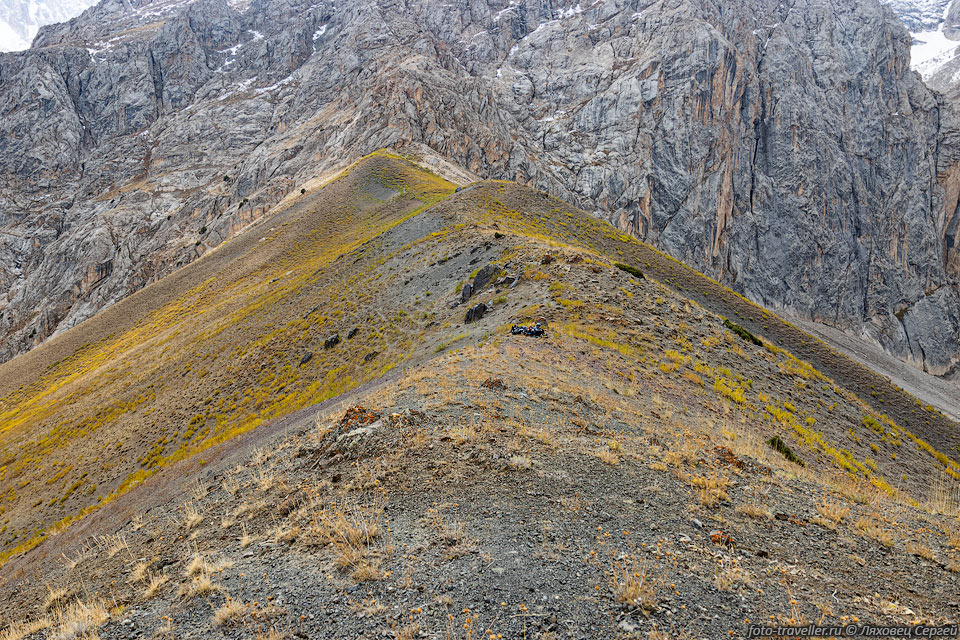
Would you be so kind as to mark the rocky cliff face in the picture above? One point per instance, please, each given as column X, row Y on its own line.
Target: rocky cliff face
column 786, row 149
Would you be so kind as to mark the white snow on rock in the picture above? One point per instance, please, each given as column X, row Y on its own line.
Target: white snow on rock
column 21, row 19
column 925, row 20
column 930, row 51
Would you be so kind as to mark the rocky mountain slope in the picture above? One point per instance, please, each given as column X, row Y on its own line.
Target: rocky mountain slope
column 325, row 429
column 785, row 149
column 21, row 19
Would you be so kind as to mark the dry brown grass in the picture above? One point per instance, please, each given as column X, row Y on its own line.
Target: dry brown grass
column 111, row 545
column 952, row 531
column 201, row 585
column 874, row 530
column 833, row 511
column 287, row 533
column 265, row 478
column 674, row 634
column 451, row 534
column 607, row 456
column 139, row 572
column 230, row 484
column 195, row 566
column 830, row 514
column 683, row 452
column 918, row 549
column 260, row 456
column 755, row 511
column 55, row 597
column 191, row 516
column 350, row 531
column 407, row 632
column 155, row 584
column 366, row 569
column 729, row 575
column 943, row 496
column 199, row 490
column 249, row 509
column 632, row 585
column 20, row 630
column 229, row 613
column 710, row 489
column 200, row 565
column 463, row 433
column 521, row 463
column 81, row 620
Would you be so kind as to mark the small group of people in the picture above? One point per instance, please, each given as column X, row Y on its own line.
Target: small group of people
column 535, row 330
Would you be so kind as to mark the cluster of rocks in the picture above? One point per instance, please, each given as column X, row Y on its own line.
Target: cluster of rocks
column 483, row 277
column 331, row 342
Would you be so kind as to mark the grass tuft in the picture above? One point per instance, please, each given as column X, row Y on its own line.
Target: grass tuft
column 781, row 447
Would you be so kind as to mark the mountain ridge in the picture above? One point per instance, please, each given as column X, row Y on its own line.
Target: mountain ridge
column 114, row 371
column 334, row 418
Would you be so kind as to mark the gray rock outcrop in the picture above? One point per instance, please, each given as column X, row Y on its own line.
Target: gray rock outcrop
column 786, row 149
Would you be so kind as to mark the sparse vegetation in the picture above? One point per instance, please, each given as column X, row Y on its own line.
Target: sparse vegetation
column 154, row 584
column 743, row 333
column 636, row 273
column 781, row 447
column 633, row 586
column 874, row 530
column 627, row 453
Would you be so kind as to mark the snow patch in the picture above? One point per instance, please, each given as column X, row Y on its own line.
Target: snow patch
column 556, row 116
column 930, row 51
column 276, row 85
column 21, row 19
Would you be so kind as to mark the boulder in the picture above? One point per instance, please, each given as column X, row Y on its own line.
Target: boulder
column 475, row 312
column 484, row 276
column 332, row 341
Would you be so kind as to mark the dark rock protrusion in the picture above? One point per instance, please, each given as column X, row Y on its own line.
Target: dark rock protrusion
column 475, row 312
column 466, row 292
column 332, row 341
column 370, row 356
column 483, row 277
column 352, row 333
column 306, row 358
